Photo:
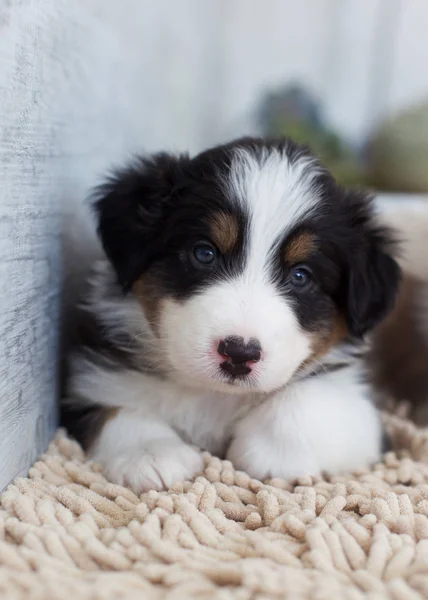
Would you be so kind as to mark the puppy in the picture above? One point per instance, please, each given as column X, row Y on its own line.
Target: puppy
column 398, row 356
column 230, row 315
column 399, row 351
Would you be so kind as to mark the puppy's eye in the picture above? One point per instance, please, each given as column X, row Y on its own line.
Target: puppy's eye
column 300, row 276
column 204, row 253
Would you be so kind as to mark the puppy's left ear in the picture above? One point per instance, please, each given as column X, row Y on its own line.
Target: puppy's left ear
column 373, row 272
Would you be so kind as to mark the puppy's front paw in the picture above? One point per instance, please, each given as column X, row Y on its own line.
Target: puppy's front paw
column 157, row 467
column 262, row 459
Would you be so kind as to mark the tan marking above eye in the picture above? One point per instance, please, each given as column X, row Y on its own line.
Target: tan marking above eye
column 300, row 247
column 224, row 231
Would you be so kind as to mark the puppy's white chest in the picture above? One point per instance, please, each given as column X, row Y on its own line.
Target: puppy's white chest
column 207, row 420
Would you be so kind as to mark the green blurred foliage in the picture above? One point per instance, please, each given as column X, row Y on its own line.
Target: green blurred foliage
column 398, row 152
column 327, row 145
column 291, row 111
column 395, row 159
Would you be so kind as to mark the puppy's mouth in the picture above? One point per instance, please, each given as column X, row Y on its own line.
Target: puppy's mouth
column 233, row 371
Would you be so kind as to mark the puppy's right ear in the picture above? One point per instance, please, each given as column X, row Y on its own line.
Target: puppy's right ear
column 131, row 208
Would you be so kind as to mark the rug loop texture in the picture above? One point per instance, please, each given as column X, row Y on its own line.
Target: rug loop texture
column 65, row 530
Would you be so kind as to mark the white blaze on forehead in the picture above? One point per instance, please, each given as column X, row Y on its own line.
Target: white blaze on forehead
column 276, row 194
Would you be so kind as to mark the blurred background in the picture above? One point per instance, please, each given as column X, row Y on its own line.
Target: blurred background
column 347, row 76
column 85, row 83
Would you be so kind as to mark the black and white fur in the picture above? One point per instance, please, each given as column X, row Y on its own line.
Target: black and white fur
column 147, row 387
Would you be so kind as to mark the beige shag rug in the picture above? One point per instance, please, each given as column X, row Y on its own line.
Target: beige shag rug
column 65, row 532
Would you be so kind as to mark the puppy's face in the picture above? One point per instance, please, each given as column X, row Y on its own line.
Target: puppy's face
column 249, row 262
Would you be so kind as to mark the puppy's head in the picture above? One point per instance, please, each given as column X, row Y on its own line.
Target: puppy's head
column 248, row 260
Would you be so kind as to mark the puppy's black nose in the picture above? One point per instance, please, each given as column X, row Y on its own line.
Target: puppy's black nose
column 237, row 352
